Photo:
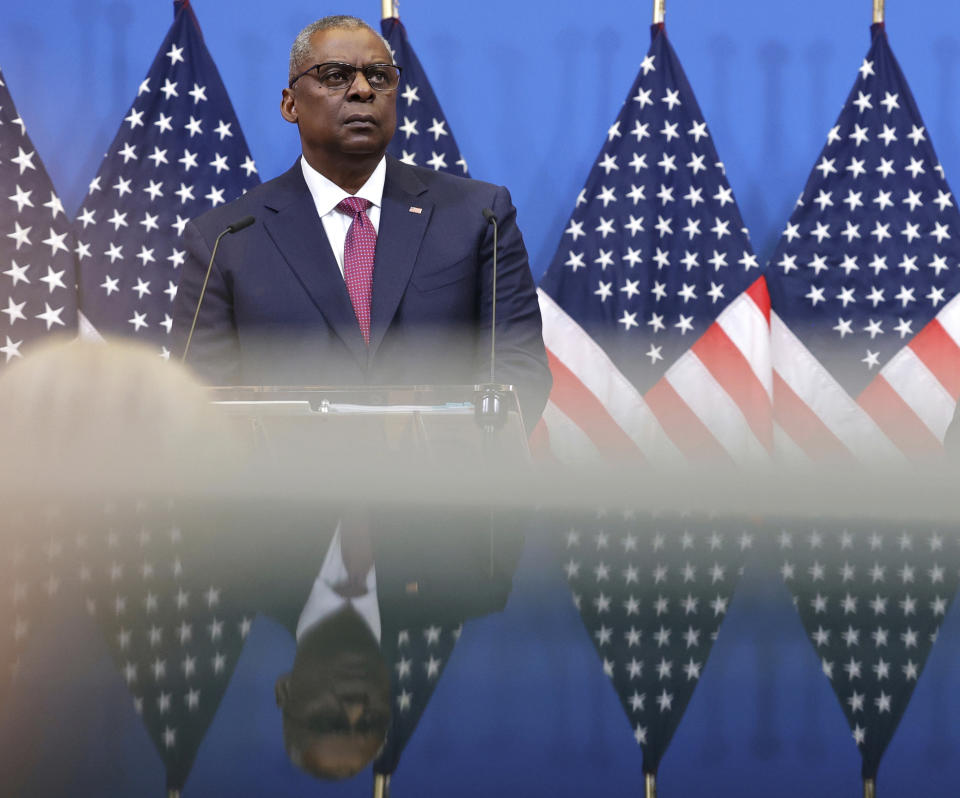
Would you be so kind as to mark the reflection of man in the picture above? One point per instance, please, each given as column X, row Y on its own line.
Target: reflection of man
column 359, row 268
column 346, row 590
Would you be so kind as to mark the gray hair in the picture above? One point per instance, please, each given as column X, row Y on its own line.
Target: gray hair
column 300, row 51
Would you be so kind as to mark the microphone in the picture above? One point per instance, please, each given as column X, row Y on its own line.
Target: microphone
column 491, row 218
column 489, row 410
column 238, row 225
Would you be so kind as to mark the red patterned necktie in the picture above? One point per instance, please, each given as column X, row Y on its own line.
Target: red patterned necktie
column 359, row 250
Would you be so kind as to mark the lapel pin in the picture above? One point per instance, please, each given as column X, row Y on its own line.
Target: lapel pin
column 415, row 209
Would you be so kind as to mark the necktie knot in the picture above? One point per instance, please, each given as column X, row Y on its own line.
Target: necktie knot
column 353, row 205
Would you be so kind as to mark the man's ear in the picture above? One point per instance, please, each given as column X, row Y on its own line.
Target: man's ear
column 288, row 107
column 281, row 691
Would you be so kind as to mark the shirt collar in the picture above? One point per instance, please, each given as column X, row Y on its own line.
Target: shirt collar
column 327, row 194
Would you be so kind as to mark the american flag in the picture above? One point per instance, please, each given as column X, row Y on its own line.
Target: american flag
column 178, row 153
column 652, row 592
column 872, row 598
column 654, row 308
column 423, row 137
column 174, row 637
column 38, row 294
column 32, row 574
column 864, row 284
column 417, row 657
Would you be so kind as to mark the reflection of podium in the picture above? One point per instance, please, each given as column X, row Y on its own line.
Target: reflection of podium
column 433, row 424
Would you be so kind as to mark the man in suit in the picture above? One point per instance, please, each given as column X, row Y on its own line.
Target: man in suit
column 351, row 584
column 359, row 269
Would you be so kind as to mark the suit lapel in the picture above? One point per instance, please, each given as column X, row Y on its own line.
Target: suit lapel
column 398, row 242
column 298, row 233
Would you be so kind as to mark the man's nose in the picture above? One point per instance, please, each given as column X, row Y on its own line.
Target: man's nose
column 354, row 709
column 360, row 87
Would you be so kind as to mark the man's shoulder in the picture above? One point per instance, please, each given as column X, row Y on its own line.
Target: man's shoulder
column 285, row 187
column 441, row 182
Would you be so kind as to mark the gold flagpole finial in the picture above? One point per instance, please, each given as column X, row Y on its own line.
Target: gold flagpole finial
column 650, row 779
column 878, row 11
column 389, row 9
column 659, row 11
column 869, row 785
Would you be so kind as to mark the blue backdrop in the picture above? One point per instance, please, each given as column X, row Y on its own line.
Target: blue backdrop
column 529, row 89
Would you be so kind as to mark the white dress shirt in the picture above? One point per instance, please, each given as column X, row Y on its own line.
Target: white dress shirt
column 324, row 601
column 327, row 195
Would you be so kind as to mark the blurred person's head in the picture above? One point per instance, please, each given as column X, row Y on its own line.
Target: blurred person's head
column 113, row 416
column 336, row 699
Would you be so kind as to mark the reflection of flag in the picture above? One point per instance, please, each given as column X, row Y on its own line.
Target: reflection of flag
column 655, row 314
column 179, row 152
column 872, row 599
column 31, row 572
column 175, row 643
column 423, row 137
column 417, row 658
column 652, row 593
column 37, row 278
column 864, row 282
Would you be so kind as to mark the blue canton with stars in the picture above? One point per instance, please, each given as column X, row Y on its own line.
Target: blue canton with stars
column 870, row 253
column 178, row 153
column 655, row 247
column 423, row 137
column 37, row 277
column 872, row 598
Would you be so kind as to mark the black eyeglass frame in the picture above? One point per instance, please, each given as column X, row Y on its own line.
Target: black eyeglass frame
column 353, row 74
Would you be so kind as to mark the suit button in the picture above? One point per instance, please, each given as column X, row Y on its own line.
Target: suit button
column 413, row 588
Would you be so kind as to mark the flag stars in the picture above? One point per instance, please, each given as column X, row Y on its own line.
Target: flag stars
column 189, row 160
column 915, row 168
column 51, row 316
column 859, row 135
column 826, row 166
column 605, row 227
column 604, row 290
column 886, row 167
column 606, row 196
column 916, row 135
column 53, row 279
column 888, row 136
column 215, row 195
column 608, row 164
column 438, row 128
column 669, row 131
column 24, row 160
column 856, row 167
column 671, row 98
column 628, row 320
column 411, row 94
column 163, row 123
column 134, row 118
column 250, row 168
column 198, row 93
column 940, row 232
column 668, row 164
column 219, row 163
column 824, row 199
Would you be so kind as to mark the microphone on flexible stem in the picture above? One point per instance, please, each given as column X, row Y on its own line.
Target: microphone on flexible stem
column 238, row 225
column 490, row 412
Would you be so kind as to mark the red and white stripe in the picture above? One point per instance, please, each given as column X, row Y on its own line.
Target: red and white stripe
column 713, row 403
column 903, row 412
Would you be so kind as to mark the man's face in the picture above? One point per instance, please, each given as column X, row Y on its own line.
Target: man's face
column 352, row 121
column 336, row 700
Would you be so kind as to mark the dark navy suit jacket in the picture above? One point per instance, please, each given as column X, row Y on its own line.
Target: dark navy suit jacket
column 277, row 312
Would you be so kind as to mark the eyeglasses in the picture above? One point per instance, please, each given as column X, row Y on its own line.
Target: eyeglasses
column 336, row 76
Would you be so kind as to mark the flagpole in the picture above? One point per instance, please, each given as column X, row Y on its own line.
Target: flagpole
column 878, row 12
column 389, row 9
column 650, row 779
column 869, row 785
column 381, row 783
column 660, row 11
